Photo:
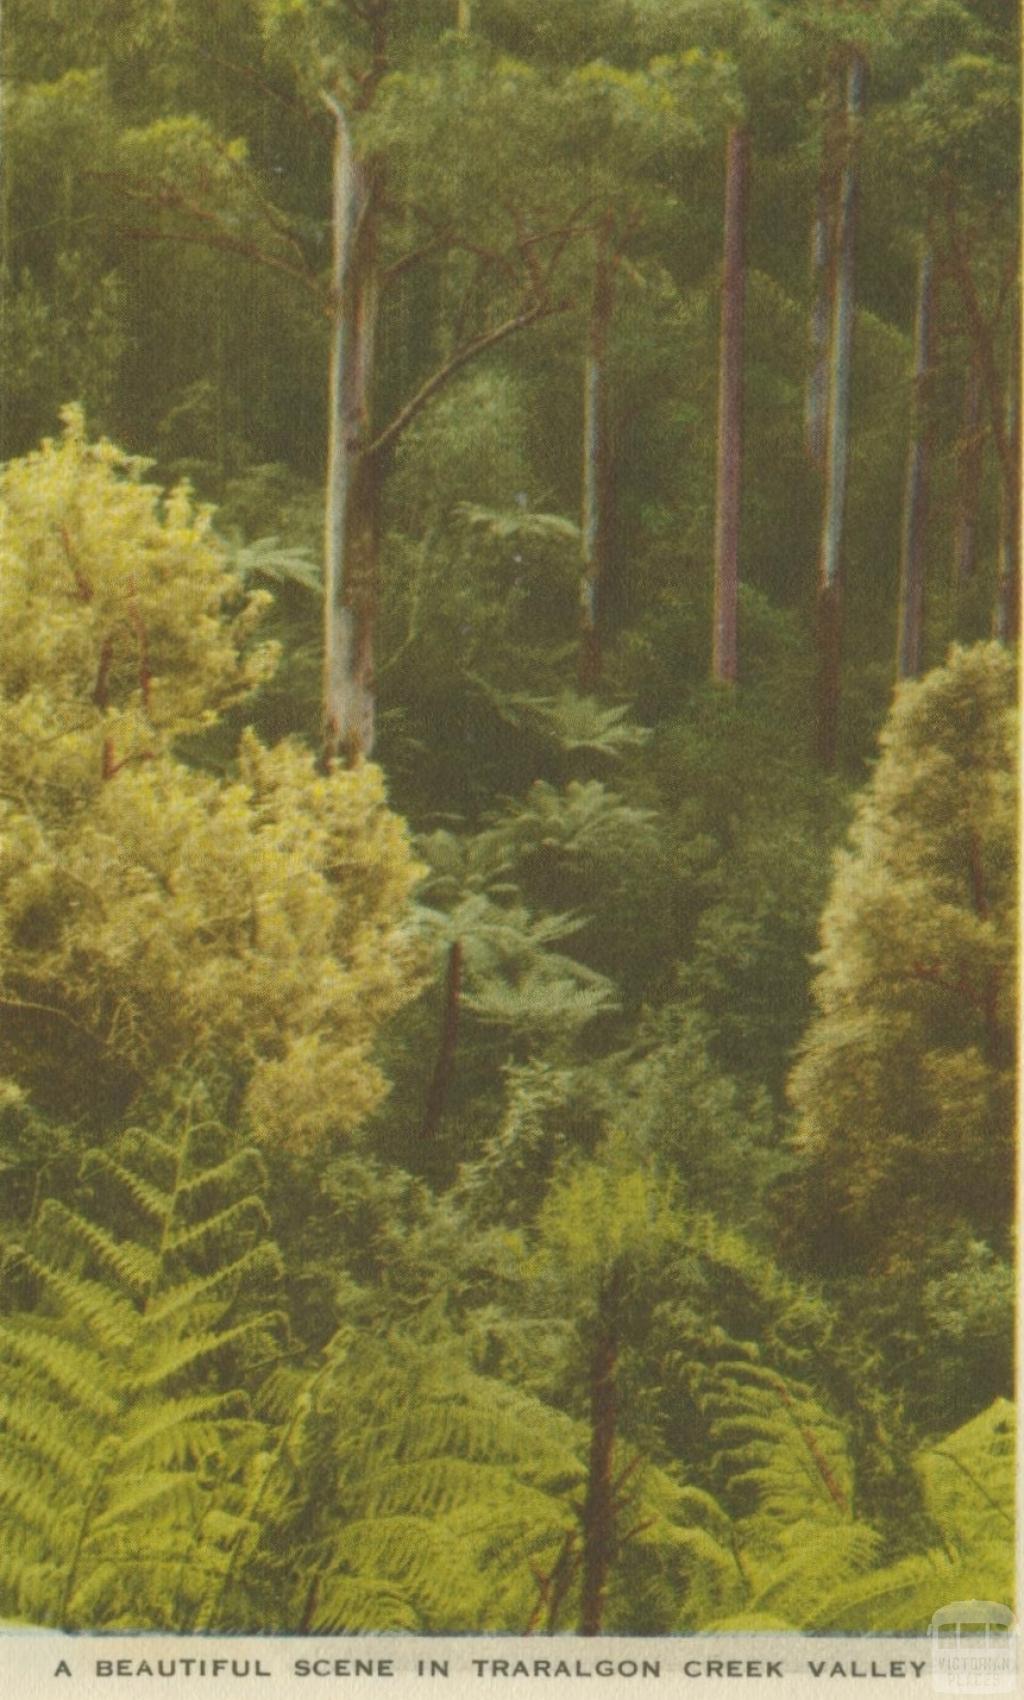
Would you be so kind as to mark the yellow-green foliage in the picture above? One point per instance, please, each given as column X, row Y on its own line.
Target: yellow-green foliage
column 905, row 1087
column 155, row 917
column 121, row 617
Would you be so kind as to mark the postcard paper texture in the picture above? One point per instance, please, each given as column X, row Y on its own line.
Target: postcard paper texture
column 508, row 847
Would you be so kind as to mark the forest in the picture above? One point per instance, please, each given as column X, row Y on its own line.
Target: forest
column 508, row 813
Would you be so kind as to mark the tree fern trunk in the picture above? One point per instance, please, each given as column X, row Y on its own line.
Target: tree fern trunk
column 730, row 411
column 444, row 1067
column 838, row 430
column 599, row 1504
column 596, row 502
column 915, row 500
column 350, row 529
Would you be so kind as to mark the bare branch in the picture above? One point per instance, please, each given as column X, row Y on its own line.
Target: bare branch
column 274, row 218
column 462, row 356
column 164, row 197
column 406, row 262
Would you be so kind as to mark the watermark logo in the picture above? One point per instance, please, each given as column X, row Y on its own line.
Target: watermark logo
column 974, row 1648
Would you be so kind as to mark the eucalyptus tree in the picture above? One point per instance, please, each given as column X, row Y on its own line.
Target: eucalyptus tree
column 962, row 137
column 430, row 136
column 439, row 165
column 915, row 502
column 632, row 131
column 901, row 48
column 762, row 52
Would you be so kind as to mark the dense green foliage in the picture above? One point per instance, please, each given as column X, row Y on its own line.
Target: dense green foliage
column 558, row 1175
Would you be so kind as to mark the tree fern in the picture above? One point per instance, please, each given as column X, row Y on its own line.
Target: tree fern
column 399, row 1466
column 452, row 1502
column 128, row 1427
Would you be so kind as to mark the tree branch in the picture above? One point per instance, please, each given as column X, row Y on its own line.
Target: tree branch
column 275, row 219
column 227, row 244
column 387, row 438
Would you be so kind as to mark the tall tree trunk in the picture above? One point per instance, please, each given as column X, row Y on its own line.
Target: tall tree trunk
column 599, row 1503
column 915, row 499
column 464, row 16
column 816, row 396
column 838, row 428
column 596, row 503
column 1003, row 414
column 1007, row 616
column 970, row 457
column 351, row 525
column 730, row 410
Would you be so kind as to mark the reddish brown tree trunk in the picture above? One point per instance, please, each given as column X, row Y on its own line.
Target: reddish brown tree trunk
column 730, row 412
column 970, row 458
column 915, row 500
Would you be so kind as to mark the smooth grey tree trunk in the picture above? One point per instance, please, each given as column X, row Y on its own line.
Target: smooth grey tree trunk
column 816, row 397
column 838, row 427
column 350, row 510
column 915, row 499
column 729, row 486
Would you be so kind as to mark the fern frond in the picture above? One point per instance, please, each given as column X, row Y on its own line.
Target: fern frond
column 151, row 1200
column 823, row 1557
column 148, row 1425
column 887, row 1598
column 26, row 1496
column 129, row 1460
column 132, row 1264
column 243, row 1171
column 969, row 1478
column 188, row 1353
column 220, row 1230
column 263, row 1259
column 27, row 1421
column 174, row 1495
column 72, row 1370
column 109, row 1318
column 360, row 1605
